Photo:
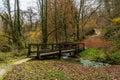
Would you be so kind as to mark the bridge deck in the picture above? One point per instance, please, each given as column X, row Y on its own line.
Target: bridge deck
column 56, row 52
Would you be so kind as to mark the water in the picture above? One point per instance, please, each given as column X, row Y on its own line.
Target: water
column 65, row 56
column 92, row 63
column 83, row 62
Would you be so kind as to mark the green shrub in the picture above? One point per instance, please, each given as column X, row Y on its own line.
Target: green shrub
column 113, row 34
column 93, row 54
column 100, row 56
column 21, row 53
column 3, row 42
column 16, row 51
column 113, row 58
column 2, row 57
column 5, row 56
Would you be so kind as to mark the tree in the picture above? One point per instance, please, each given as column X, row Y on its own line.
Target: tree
column 42, row 5
column 14, row 23
column 83, row 15
column 55, row 20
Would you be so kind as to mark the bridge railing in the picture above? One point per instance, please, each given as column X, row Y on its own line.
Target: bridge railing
column 35, row 48
column 45, row 48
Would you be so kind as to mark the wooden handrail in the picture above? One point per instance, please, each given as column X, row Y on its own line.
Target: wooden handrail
column 55, row 47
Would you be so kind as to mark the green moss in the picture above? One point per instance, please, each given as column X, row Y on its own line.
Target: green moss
column 88, row 52
column 93, row 54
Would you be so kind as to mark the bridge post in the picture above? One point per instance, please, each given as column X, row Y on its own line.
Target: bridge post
column 52, row 46
column 59, row 55
column 38, row 55
column 29, row 50
column 76, row 50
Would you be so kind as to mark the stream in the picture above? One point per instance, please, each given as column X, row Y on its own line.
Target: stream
column 83, row 62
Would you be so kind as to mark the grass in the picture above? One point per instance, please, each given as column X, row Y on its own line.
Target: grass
column 102, row 76
column 52, row 74
column 93, row 54
column 5, row 63
column 110, row 57
column 7, row 58
column 60, row 70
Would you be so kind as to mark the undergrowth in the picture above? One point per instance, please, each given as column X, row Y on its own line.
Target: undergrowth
column 93, row 54
column 101, row 56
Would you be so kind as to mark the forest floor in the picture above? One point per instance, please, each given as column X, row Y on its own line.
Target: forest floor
column 6, row 67
column 61, row 70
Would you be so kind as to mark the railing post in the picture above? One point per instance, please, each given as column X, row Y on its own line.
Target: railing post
column 29, row 50
column 52, row 46
column 38, row 53
column 59, row 55
column 76, row 50
column 83, row 46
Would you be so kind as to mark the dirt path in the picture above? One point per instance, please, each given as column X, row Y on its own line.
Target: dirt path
column 97, row 41
column 6, row 68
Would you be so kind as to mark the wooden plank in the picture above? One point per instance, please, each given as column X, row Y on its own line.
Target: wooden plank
column 33, row 52
column 65, row 51
column 43, row 51
column 56, row 52
column 49, row 53
column 35, row 44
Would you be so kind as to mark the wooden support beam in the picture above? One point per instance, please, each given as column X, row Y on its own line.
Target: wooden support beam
column 38, row 53
column 29, row 50
column 52, row 46
column 59, row 55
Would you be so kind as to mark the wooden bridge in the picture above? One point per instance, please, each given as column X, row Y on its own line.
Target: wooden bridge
column 43, row 50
